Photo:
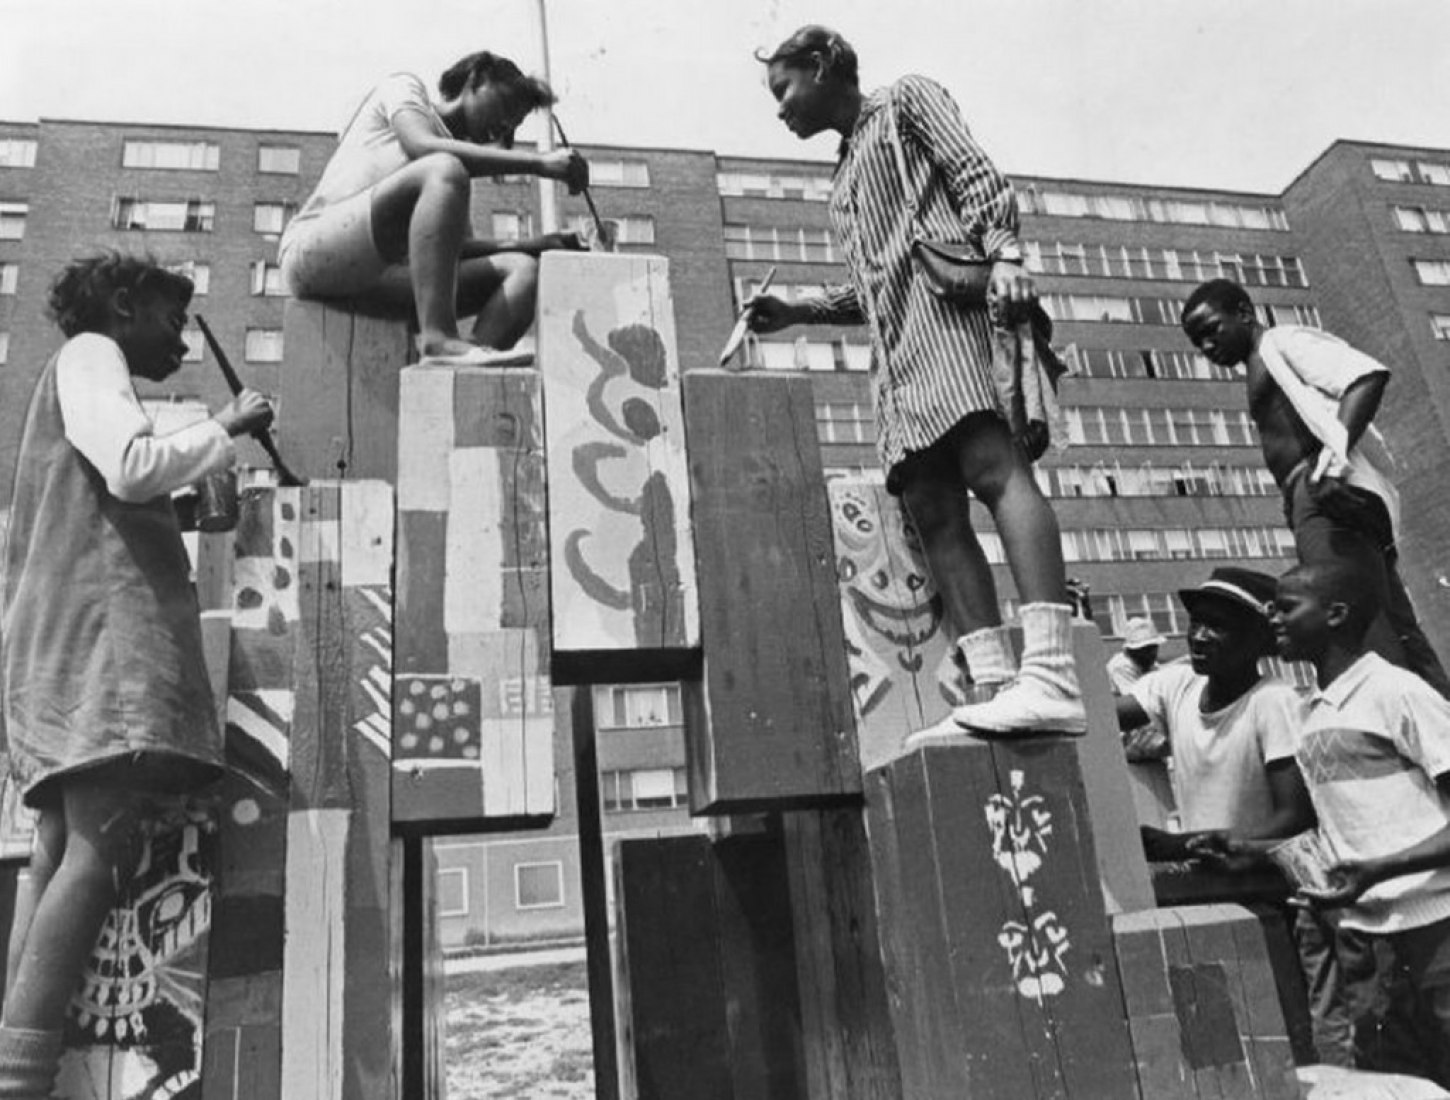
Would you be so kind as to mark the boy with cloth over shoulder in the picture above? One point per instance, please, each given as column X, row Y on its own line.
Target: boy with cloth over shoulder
column 1312, row 398
column 107, row 706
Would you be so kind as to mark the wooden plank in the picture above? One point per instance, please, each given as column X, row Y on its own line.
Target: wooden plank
column 995, row 924
column 849, row 1052
column 337, row 409
column 315, row 955
column 623, row 584
column 422, row 643
column 1122, row 867
column 425, row 438
column 778, row 729
column 606, row 1029
column 898, row 647
column 244, row 1038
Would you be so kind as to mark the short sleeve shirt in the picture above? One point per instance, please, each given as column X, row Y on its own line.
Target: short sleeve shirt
column 1221, row 758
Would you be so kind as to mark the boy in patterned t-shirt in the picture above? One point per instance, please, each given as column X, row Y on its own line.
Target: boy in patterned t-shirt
column 1375, row 753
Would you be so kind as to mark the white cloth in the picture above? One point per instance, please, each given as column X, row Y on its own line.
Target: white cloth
column 368, row 149
column 1220, row 759
column 1124, row 672
column 1372, row 744
column 105, row 422
column 1314, row 369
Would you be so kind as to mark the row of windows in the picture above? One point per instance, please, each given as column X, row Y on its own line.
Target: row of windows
column 768, row 185
column 193, row 215
column 205, row 156
column 1422, row 219
column 17, row 152
column 1183, row 265
column 1404, row 171
column 772, row 242
column 1162, row 311
column 1171, row 543
column 643, row 789
column 1146, row 480
column 1134, row 208
column 1113, row 426
column 1144, row 363
column 536, row 886
column 803, row 354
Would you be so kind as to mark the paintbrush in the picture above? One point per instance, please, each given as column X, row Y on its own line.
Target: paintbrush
column 742, row 324
column 285, row 477
column 604, row 239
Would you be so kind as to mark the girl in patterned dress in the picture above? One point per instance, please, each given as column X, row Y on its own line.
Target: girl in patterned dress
column 106, row 702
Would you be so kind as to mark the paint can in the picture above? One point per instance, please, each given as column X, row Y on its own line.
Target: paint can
column 216, row 501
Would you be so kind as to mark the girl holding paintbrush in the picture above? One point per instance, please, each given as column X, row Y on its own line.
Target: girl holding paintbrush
column 388, row 224
column 909, row 168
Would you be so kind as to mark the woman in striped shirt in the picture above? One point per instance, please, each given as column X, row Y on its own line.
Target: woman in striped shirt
column 940, row 429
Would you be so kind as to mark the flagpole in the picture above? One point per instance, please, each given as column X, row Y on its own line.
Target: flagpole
column 548, row 189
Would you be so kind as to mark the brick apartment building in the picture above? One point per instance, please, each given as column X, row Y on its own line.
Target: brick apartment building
column 1163, row 479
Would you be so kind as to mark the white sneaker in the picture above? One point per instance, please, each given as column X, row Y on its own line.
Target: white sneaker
column 1026, row 706
column 945, row 732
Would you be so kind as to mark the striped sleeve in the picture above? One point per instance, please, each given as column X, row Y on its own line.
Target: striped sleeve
column 983, row 197
column 835, row 305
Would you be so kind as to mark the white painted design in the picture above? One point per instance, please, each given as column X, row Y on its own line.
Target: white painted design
column 1035, row 946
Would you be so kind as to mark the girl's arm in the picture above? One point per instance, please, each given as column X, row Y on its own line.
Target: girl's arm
column 419, row 140
column 105, row 422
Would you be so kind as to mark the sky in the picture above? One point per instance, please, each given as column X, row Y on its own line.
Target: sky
column 1230, row 94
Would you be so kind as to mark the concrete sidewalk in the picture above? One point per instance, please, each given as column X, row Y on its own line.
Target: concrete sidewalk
column 504, row 960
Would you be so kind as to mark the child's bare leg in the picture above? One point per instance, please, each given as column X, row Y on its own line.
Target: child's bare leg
column 44, row 859
column 503, row 291
column 995, row 470
column 937, row 504
column 101, row 845
column 420, row 214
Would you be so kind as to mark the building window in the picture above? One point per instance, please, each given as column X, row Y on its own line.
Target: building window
column 263, row 345
column 267, row 280
column 633, row 229
column 199, row 274
column 195, row 345
column 845, row 422
column 539, row 885
column 618, row 173
column 190, row 216
column 272, row 217
column 769, row 242
column 1440, row 325
column 12, row 220
column 283, row 160
column 644, row 789
column 1418, row 219
column 452, row 883
column 1432, row 272
column 1073, row 204
column 203, row 156
column 9, row 276
column 798, row 354
column 17, row 153
column 638, row 706
column 1396, row 171
column 761, row 185
column 511, row 226
column 4, row 347
column 1438, row 174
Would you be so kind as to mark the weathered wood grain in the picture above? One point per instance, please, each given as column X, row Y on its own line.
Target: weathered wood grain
column 337, row 409
column 776, row 729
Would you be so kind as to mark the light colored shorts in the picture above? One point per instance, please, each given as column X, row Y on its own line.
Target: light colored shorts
column 333, row 254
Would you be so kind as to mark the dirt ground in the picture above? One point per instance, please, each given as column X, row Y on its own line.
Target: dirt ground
column 520, row 1034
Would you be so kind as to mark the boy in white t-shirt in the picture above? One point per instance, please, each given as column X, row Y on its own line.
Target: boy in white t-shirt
column 1375, row 753
column 1229, row 729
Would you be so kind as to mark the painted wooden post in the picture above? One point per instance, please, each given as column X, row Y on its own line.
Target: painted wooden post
column 473, row 708
column 771, row 727
column 1000, row 968
column 1202, row 1006
column 337, row 412
column 623, row 580
column 297, row 1005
